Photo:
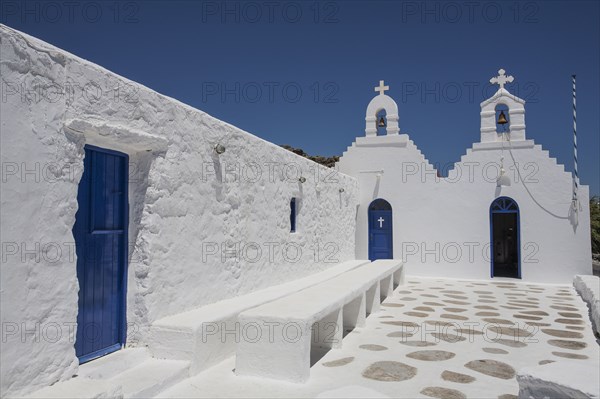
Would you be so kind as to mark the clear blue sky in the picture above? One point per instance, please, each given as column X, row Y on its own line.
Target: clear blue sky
column 302, row 72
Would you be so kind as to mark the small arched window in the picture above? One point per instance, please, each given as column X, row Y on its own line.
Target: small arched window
column 293, row 215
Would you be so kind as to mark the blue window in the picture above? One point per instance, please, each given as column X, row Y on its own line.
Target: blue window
column 293, row 215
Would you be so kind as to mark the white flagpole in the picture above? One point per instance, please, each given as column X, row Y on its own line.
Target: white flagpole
column 576, row 185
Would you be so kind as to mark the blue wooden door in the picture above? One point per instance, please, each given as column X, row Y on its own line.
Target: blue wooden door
column 380, row 232
column 100, row 233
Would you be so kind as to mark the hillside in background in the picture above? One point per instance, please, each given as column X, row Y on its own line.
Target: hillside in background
column 326, row 161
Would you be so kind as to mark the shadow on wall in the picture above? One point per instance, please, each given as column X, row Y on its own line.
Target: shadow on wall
column 139, row 169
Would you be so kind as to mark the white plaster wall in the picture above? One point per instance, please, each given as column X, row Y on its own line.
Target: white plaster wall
column 177, row 203
column 588, row 288
column 441, row 225
column 38, row 209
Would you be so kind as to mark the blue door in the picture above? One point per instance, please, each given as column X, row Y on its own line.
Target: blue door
column 100, row 233
column 380, row 230
column 505, row 238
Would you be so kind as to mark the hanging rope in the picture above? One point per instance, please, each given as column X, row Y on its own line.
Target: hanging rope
column 525, row 185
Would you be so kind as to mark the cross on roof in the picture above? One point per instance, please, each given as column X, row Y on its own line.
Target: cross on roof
column 501, row 79
column 381, row 88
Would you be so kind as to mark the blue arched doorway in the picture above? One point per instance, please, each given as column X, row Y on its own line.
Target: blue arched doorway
column 380, row 230
column 505, row 238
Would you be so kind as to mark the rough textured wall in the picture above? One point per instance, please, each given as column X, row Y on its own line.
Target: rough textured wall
column 186, row 203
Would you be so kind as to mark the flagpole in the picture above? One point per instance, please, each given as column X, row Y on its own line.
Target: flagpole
column 576, row 182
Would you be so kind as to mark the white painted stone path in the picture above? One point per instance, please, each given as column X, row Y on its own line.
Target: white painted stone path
column 381, row 360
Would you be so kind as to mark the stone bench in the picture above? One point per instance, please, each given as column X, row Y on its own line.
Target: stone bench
column 208, row 335
column 284, row 338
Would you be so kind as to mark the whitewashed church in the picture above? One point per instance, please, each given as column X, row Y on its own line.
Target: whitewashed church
column 506, row 209
column 126, row 235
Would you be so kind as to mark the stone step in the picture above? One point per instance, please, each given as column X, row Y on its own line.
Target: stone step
column 151, row 377
column 129, row 373
column 114, row 364
column 79, row 388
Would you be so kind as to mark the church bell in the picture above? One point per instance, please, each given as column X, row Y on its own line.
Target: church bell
column 381, row 122
column 502, row 118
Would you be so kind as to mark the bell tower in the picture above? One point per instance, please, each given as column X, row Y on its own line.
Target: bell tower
column 374, row 117
column 495, row 123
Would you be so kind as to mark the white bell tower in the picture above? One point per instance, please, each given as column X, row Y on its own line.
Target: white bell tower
column 378, row 104
column 516, row 113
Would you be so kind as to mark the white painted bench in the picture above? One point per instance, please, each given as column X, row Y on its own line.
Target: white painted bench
column 208, row 335
column 283, row 338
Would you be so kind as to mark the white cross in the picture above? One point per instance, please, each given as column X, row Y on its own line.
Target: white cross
column 381, row 88
column 501, row 79
column 380, row 220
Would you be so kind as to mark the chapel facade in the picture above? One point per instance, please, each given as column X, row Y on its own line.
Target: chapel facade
column 506, row 209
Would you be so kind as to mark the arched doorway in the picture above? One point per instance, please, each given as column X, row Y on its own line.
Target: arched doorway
column 505, row 238
column 380, row 230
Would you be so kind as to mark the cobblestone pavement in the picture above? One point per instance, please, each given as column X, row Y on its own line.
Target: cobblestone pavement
column 435, row 338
